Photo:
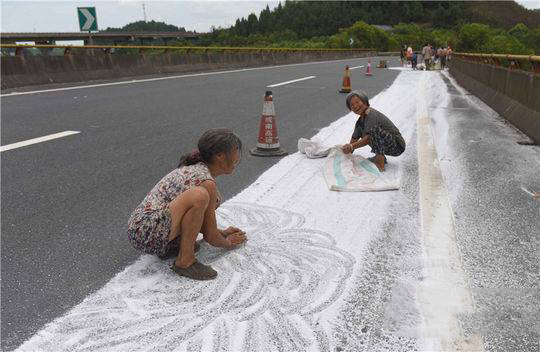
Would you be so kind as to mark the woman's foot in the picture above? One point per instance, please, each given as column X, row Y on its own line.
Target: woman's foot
column 379, row 160
column 372, row 159
column 174, row 249
column 196, row 271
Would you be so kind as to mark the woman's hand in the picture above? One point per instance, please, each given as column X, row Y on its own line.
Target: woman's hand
column 234, row 236
column 236, row 239
column 347, row 148
column 230, row 230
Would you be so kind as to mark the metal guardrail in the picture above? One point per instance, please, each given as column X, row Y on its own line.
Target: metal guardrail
column 107, row 48
column 514, row 61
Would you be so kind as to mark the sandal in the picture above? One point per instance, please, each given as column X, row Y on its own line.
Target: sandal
column 196, row 271
column 173, row 251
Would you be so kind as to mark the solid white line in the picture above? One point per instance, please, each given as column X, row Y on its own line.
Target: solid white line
column 37, row 140
column 444, row 292
column 352, row 68
column 168, row 77
column 294, row 80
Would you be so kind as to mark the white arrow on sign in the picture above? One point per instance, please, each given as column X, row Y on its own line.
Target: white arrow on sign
column 89, row 19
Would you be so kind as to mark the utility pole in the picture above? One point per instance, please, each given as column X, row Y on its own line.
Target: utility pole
column 144, row 11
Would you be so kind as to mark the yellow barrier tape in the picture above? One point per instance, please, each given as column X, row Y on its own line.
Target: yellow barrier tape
column 533, row 58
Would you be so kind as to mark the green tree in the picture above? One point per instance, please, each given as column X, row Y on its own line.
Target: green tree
column 414, row 11
column 443, row 37
column 363, row 35
column 410, row 34
column 150, row 26
column 473, row 36
column 533, row 40
column 252, row 24
column 519, row 31
column 505, row 44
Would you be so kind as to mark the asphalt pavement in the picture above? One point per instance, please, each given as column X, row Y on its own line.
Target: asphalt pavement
column 487, row 172
column 65, row 202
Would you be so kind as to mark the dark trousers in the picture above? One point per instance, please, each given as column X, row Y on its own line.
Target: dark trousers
column 427, row 62
column 383, row 142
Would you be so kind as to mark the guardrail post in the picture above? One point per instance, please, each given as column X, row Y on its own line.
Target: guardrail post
column 19, row 51
column 536, row 67
column 514, row 65
column 67, row 51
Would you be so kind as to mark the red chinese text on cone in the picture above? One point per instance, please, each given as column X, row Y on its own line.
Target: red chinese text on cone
column 368, row 69
column 346, row 81
column 268, row 142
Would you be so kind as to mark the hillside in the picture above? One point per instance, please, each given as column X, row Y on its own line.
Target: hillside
column 309, row 19
column 503, row 14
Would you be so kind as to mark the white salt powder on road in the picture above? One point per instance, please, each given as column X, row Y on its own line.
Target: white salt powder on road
column 306, row 263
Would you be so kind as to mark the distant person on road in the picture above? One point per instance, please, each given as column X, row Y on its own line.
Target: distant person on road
column 183, row 204
column 403, row 54
column 414, row 61
column 373, row 128
column 443, row 58
column 409, row 54
column 439, row 58
column 426, row 53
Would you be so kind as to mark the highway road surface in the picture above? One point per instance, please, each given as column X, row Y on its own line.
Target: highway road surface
column 447, row 262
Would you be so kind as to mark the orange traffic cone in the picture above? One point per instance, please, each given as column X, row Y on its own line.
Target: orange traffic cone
column 346, row 81
column 268, row 143
column 368, row 69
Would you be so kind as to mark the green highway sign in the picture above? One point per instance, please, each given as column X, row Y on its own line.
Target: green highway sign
column 87, row 18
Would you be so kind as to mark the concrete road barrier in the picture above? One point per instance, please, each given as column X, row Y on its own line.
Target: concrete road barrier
column 513, row 94
column 21, row 70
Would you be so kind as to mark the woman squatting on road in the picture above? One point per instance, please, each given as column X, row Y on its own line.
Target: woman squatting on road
column 183, row 204
column 373, row 128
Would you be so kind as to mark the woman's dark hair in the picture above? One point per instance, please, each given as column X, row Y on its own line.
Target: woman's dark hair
column 211, row 143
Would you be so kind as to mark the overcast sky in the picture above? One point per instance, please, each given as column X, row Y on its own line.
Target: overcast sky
column 61, row 16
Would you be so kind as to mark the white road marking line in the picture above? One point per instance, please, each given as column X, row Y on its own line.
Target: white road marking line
column 294, row 80
column 355, row 67
column 164, row 78
column 444, row 293
column 527, row 191
column 37, row 140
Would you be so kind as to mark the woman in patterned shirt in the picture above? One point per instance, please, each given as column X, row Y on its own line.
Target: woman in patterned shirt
column 183, row 204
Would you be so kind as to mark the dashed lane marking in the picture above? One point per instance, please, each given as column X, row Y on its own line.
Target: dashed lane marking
column 288, row 82
column 37, row 140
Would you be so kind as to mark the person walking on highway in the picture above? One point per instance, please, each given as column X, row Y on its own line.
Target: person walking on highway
column 373, row 128
column 409, row 54
column 403, row 54
column 443, row 57
column 183, row 204
column 426, row 53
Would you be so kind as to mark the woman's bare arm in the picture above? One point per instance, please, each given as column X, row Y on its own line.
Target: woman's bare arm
column 209, row 229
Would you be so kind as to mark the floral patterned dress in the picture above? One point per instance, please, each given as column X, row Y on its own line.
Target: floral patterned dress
column 150, row 223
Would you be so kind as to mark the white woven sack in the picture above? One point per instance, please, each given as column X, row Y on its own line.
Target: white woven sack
column 353, row 173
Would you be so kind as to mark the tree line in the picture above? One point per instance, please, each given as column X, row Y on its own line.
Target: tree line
column 477, row 26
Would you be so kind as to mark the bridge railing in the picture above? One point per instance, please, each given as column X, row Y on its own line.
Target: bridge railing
column 509, row 84
column 522, row 62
